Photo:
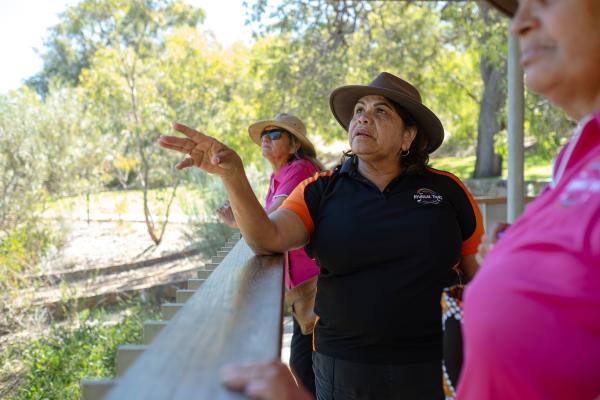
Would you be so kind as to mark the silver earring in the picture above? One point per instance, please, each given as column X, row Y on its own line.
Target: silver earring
column 404, row 153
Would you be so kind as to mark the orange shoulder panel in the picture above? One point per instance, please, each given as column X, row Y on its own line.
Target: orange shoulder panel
column 469, row 246
column 295, row 201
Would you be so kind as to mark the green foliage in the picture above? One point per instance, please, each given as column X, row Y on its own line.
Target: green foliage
column 205, row 230
column 53, row 365
column 92, row 25
column 537, row 167
column 20, row 250
column 117, row 74
column 41, row 143
column 439, row 46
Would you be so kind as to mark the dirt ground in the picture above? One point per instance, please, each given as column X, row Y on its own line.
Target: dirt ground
column 100, row 244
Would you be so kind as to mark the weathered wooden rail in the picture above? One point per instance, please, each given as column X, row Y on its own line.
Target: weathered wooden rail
column 234, row 315
column 494, row 209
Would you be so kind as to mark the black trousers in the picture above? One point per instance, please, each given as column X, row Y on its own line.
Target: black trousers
column 301, row 363
column 344, row 380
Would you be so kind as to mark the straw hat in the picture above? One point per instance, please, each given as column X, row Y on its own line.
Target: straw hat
column 343, row 99
column 508, row 7
column 288, row 122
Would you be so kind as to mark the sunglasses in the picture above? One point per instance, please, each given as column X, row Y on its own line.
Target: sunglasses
column 274, row 134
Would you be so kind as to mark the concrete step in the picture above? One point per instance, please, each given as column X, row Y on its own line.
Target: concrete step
column 152, row 328
column 217, row 259
column 95, row 389
column 126, row 355
column 210, row 266
column 203, row 274
column 168, row 310
column 183, row 295
column 194, row 284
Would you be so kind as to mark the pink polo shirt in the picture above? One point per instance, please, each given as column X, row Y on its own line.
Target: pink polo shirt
column 282, row 184
column 532, row 313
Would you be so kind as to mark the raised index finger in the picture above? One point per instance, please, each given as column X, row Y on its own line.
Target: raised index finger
column 193, row 134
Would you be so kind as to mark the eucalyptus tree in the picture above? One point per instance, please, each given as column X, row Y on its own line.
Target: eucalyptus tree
column 111, row 48
column 89, row 26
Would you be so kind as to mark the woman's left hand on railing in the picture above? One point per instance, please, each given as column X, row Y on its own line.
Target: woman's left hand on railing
column 264, row 381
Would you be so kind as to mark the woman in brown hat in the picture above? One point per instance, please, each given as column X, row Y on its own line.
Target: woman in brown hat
column 386, row 232
column 532, row 315
column 290, row 153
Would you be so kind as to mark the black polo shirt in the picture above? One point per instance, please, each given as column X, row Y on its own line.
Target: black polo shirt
column 384, row 258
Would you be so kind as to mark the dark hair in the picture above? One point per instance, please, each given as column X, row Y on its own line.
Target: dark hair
column 418, row 156
column 300, row 154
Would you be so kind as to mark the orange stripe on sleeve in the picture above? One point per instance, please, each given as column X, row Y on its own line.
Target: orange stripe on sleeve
column 296, row 203
column 469, row 245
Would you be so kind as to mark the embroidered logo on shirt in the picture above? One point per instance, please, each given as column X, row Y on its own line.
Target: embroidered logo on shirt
column 427, row 196
column 583, row 186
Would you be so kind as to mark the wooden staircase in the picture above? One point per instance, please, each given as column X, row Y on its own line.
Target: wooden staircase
column 231, row 312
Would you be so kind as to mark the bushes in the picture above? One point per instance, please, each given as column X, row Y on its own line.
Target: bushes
column 52, row 366
column 20, row 251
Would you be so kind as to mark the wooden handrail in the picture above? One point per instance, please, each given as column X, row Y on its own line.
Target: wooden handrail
column 235, row 316
column 497, row 200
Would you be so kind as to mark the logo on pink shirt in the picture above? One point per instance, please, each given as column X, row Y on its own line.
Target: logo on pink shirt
column 584, row 185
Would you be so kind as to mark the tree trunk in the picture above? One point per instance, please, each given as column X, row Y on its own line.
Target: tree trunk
column 488, row 163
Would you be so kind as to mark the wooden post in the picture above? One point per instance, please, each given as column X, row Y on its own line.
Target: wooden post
column 516, row 101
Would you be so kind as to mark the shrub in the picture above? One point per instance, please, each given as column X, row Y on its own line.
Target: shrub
column 53, row 365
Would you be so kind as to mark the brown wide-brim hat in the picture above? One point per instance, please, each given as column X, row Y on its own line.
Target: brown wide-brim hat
column 508, row 7
column 288, row 122
column 343, row 99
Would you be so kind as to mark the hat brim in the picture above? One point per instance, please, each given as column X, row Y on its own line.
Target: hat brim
column 507, row 7
column 343, row 99
column 258, row 127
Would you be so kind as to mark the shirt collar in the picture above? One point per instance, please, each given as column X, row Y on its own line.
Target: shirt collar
column 349, row 166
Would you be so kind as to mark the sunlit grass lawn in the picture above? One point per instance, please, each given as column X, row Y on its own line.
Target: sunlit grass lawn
column 536, row 168
column 121, row 202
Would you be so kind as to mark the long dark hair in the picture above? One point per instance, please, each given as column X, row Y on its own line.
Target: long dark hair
column 300, row 154
column 418, row 157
